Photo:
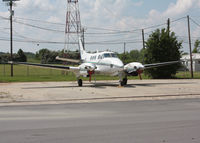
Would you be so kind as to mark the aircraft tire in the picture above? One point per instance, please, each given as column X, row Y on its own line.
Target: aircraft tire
column 80, row 82
column 125, row 81
column 121, row 83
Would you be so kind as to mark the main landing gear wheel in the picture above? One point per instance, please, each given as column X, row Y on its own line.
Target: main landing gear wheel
column 123, row 82
column 80, row 82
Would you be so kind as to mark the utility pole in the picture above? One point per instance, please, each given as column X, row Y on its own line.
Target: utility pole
column 124, row 48
column 168, row 26
column 191, row 61
column 143, row 44
column 10, row 3
column 83, row 38
column 143, row 39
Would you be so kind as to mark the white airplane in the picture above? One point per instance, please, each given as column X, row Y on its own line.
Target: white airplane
column 102, row 63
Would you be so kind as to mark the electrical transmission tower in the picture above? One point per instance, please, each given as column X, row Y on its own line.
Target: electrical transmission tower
column 73, row 25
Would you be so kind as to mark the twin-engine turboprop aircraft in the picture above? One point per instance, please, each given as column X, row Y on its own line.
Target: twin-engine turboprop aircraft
column 103, row 63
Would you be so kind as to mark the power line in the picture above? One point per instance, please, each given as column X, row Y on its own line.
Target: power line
column 42, row 28
column 114, row 31
column 5, row 18
column 41, row 21
column 179, row 19
column 58, row 42
column 195, row 22
column 62, row 24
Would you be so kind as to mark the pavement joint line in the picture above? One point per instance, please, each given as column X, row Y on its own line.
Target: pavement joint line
column 102, row 98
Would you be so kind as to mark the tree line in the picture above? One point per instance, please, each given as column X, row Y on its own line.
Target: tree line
column 19, row 56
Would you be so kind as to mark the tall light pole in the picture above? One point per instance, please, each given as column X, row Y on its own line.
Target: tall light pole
column 10, row 3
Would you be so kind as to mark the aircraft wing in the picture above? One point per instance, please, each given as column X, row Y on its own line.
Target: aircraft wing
column 147, row 66
column 59, row 67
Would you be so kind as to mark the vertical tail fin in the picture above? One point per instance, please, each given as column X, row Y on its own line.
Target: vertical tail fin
column 82, row 50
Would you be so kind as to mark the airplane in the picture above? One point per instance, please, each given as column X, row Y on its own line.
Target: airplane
column 101, row 63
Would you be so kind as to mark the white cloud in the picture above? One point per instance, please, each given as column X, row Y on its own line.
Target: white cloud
column 181, row 6
column 32, row 5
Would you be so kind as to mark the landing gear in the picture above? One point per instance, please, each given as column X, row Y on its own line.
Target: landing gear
column 123, row 82
column 80, row 82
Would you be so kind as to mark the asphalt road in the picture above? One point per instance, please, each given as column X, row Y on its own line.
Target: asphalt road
column 166, row 121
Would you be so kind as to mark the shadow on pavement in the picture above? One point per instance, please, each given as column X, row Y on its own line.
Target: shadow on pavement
column 103, row 85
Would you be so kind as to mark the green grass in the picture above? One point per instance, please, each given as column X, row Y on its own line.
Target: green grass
column 187, row 75
column 33, row 74
column 26, row 74
column 33, row 60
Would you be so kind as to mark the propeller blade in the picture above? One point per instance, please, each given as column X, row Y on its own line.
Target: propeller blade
column 90, row 75
column 140, row 76
column 139, row 73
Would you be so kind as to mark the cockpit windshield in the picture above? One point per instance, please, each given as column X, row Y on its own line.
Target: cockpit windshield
column 110, row 55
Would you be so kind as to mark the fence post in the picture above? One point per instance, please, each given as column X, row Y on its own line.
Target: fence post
column 27, row 71
column 4, row 69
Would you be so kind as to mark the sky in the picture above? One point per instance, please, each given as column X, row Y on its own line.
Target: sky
column 108, row 23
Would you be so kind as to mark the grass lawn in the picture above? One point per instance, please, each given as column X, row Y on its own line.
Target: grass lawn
column 33, row 74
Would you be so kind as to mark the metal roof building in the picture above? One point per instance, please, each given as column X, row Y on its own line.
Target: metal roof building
column 196, row 61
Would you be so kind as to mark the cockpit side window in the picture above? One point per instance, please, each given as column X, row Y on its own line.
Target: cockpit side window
column 106, row 55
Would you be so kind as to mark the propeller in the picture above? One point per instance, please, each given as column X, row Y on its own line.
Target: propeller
column 90, row 75
column 139, row 71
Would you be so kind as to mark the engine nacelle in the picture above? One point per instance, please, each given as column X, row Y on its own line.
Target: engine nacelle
column 133, row 68
column 87, row 67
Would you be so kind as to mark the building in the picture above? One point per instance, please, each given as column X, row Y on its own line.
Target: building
column 196, row 61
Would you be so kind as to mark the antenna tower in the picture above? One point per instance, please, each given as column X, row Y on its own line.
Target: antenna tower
column 73, row 25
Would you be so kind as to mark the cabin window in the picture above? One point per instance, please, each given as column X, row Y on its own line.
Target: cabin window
column 93, row 58
column 99, row 57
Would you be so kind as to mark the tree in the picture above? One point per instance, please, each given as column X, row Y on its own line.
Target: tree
column 162, row 46
column 132, row 56
column 46, row 56
column 21, row 57
column 196, row 47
